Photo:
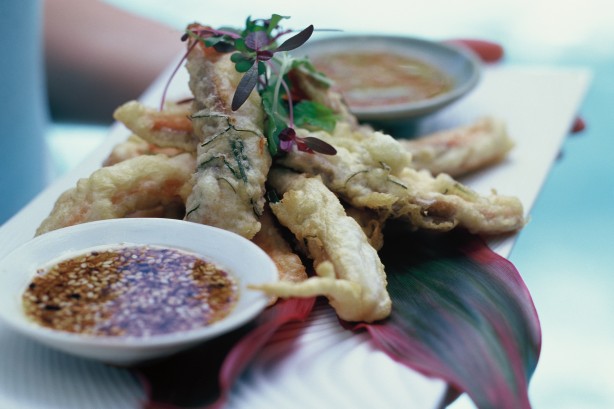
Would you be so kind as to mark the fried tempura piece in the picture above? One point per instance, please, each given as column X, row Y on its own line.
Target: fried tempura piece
column 349, row 271
column 270, row 239
column 371, row 222
column 461, row 150
column 135, row 146
column 232, row 156
column 170, row 128
column 140, row 183
column 372, row 170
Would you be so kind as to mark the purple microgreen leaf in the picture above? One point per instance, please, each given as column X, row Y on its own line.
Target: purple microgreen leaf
column 318, row 145
column 286, row 146
column 245, row 87
column 461, row 313
column 264, row 55
column 205, row 32
column 302, row 146
column 175, row 70
column 288, row 138
column 287, row 134
column 257, row 40
column 296, row 40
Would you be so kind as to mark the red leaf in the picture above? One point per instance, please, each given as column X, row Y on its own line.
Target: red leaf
column 188, row 379
column 461, row 313
column 284, row 311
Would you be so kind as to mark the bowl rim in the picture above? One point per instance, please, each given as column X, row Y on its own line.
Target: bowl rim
column 163, row 227
column 360, row 41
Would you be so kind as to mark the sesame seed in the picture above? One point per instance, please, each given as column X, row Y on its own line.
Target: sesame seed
column 130, row 291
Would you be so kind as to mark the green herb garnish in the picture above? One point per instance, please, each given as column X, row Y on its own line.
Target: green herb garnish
column 265, row 66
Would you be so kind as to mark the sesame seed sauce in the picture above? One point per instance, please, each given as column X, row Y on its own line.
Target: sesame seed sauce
column 130, row 291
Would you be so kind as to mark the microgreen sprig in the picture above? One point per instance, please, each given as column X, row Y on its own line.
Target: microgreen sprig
column 265, row 66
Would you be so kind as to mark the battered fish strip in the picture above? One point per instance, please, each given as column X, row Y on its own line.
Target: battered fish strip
column 135, row 146
column 232, row 156
column 169, row 128
column 371, row 222
column 374, row 171
column 461, row 150
column 270, row 239
column 140, row 183
column 349, row 271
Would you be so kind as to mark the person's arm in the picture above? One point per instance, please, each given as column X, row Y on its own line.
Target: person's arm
column 98, row 56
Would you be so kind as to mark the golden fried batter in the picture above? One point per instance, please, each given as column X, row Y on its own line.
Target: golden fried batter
column 349, row 271
column 232, row 156
column 170, row 128
column 270, row 239
column 372, row 170
column 140, row 183
column 461, row 150
column 135, row 146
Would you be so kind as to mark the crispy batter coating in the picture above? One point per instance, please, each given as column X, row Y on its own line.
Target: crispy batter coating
column 372, row 170
column 135, row 146
column 372, row 224
column 232, row 157
column 349, row 271
column 140, row 183
column 170, row 128
column 461, row 150
column 271, row 240
column 215, row 162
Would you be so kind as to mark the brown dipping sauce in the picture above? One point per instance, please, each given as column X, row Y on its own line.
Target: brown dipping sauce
column 370, row 78
column 130, row 291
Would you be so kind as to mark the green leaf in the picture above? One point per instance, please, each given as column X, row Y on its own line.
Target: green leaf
column 240, row 45
column 275, row 120
column 244, row 65
column 461, row 313
column 274, row 22
column 307, row 67
column 237, row 57
column 310, row 114
column 261, row 68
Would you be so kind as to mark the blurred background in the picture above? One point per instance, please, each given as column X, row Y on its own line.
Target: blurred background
column 565, row 254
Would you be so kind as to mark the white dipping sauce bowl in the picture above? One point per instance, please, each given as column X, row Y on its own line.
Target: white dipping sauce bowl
column 241, row 258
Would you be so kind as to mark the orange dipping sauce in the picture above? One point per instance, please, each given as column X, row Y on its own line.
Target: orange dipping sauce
column 373, row 78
